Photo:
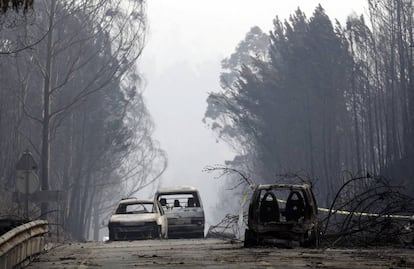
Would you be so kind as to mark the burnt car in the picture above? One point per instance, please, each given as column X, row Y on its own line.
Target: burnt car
column 184, row 211
column 282, row 212
column 137, row 219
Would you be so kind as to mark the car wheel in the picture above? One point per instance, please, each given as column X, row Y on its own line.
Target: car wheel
column 313, row 239
column 250, row 239
column 157, row 233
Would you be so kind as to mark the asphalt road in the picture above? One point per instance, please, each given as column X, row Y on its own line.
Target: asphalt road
column 212, row 253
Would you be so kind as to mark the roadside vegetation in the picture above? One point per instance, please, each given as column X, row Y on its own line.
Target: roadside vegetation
column 71, row 93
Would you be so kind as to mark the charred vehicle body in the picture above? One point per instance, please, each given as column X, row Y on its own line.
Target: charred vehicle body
column 283, row 212
column 138, row 219
column 184, row 210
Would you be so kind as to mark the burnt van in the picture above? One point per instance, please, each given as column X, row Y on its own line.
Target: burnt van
column 184, row 211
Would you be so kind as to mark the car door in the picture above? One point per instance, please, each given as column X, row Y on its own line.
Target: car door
column 164, row 220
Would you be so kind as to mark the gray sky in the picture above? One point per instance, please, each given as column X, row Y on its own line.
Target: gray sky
column 181, row 63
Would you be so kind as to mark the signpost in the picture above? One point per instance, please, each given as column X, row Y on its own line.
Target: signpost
column 26, row 180
column 27, row 185
column 30, row 177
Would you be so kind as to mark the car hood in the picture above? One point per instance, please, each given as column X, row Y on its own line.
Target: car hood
column 147, row 217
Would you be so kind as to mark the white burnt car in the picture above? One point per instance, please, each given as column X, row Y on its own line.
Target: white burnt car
column 137, row 219
column 184, row 211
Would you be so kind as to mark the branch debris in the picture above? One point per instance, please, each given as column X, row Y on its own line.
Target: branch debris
column 377, row 214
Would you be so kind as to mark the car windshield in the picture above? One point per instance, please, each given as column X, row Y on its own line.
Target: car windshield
column 179, row 200
column 135, row 208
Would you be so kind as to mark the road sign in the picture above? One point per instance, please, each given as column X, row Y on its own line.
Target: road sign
column 32, row 181
column 26, row 180
column 48, row 196
column 26, row 162
column 41, row 196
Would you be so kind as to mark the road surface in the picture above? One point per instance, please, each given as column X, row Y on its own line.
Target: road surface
column 213, row 253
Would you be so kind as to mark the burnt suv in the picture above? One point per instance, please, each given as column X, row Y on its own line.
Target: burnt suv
column 282, row 212
column 184, row 211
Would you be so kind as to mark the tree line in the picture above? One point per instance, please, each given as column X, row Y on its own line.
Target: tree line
column 72, row 97
column 319, row 98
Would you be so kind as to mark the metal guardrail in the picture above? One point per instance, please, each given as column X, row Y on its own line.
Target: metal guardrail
column 22, row 242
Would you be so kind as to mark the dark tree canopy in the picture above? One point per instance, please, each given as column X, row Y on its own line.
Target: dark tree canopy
column 324, row 100
column 16, row 5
